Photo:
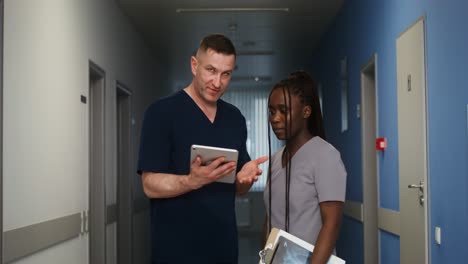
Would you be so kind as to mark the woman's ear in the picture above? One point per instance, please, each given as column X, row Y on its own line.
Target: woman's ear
column 307, row 111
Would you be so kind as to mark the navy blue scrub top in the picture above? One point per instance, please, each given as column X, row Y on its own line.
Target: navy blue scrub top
column 199, row 226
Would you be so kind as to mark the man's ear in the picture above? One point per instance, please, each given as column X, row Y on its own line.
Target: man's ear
column 194, row 65
column 307, row 111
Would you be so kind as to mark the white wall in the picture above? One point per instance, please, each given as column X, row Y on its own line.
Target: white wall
column 47, row 48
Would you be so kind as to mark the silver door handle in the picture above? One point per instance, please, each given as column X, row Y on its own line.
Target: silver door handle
column 419, row 186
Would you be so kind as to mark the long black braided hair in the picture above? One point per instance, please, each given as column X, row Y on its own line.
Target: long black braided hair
column 299, row 84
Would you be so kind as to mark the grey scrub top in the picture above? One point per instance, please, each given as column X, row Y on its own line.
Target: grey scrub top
column 317, row 175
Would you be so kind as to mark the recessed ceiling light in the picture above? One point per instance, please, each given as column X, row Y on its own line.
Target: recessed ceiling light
column 250, row 78
column 233, row 9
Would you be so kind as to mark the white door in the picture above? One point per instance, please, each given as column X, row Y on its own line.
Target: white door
column 412, row 148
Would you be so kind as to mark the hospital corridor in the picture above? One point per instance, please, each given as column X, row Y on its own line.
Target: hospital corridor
column 76, row 77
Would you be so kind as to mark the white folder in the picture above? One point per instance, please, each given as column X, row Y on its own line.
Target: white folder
column 284, row 248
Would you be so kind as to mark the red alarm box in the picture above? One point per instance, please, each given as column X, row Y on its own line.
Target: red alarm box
column 381, row 143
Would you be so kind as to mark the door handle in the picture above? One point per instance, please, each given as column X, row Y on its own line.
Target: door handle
column 419, row 186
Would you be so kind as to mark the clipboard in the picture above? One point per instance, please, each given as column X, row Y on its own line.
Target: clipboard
column 282, row 248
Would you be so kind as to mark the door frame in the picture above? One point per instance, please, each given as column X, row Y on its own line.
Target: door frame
column 97, row 181
column 426, row 174
column 124, row 191
column 370, row 162
column 1, row 127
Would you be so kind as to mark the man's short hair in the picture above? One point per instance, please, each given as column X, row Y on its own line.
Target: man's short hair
column 219, row 43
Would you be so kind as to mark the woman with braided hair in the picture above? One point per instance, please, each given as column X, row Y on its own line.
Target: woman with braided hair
column 307, row 178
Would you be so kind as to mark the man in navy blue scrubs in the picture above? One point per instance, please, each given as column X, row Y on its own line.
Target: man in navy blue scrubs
column 192, row 215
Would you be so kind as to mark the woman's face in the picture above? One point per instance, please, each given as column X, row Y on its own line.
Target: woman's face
column 279, row 113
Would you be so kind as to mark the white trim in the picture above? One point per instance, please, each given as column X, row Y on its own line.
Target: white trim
column 97, row 168
column 377, row 132
column 28, row 240
column 389, row 221
column 124, row 88
column 354, row 210
column 369, row 160
column 1, row 126
column 426, row 145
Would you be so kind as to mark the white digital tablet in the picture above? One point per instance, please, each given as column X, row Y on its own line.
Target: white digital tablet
column 208, row 154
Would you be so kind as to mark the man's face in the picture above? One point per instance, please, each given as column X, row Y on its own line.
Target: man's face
column 212, row 74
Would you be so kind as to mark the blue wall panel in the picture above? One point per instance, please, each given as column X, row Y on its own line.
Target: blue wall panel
column 389, row 248
column 365, row 27
column 447, row 42
column 349, row 246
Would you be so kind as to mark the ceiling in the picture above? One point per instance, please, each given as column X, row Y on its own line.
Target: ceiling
column 269, row 43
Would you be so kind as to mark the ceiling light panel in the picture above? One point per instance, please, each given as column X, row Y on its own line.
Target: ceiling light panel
column 233, row 9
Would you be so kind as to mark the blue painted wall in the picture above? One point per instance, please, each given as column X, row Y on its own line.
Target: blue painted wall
column 389, row 248
column 447, row 47
column 365, row 27
column 351, row 233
